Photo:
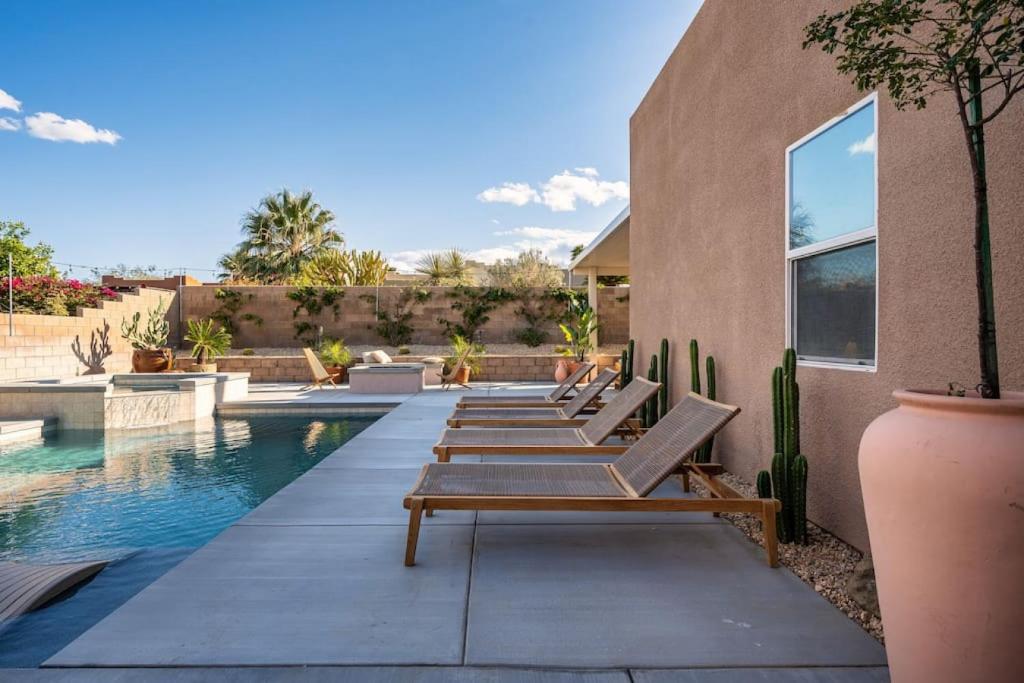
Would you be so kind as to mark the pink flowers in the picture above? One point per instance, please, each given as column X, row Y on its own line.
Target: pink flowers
column 54, row 296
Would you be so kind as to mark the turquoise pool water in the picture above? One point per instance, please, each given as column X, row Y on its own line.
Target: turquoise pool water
column 78, row 495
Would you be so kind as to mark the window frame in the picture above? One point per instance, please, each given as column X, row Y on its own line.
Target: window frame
column 832, row 244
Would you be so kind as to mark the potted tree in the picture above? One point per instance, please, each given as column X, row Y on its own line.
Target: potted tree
column 943, row 474
column 578, row 333
column 208, row 342
column 471, row 364
column 151, row 353
column 336, row 357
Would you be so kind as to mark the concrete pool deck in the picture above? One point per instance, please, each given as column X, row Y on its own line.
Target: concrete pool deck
column 314, row 578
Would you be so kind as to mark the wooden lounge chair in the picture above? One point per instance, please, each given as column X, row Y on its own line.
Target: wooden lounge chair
column 320, row 374
column 448, row 378
column 586, row 440
column 567, row 415
column 560, row 393
column 621, row 486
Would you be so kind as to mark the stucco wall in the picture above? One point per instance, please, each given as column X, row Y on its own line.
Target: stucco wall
column 707, row 253
column 356, row 321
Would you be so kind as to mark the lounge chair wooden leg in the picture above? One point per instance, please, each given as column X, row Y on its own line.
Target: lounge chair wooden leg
column 771, row 539
column 415, row 514
column 444, row 456
column 685, row 477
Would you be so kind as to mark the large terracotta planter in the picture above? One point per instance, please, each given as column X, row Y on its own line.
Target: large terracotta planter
column 564, row 368
column 943, row 484
column 338, row 372
column 462, row 376
column 152, row 360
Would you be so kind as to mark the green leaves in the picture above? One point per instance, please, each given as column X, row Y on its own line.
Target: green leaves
column 209, row 341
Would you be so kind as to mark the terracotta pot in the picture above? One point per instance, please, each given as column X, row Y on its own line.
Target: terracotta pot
column 462, row 376
column 564, row 368
column 943, row 484
column 152, row 360
column 338, row 372
column 204, row 367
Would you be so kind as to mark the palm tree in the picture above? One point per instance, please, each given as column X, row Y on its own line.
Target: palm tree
column 284, row 232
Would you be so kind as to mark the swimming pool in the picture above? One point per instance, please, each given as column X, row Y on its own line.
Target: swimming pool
column 95, row 495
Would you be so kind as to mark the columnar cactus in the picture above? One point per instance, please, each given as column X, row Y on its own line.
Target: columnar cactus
column 627, row 366
column 663, row 378
column 764, row 484
column 788, row 478
column 703, row 454
column 650, row 409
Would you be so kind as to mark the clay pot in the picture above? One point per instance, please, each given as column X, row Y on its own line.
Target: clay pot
column 943, row 485
column 462, row 376
column 152, row 360
column 564, row 368
column 337, row 372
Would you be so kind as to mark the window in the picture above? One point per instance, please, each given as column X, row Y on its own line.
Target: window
column 831, row 237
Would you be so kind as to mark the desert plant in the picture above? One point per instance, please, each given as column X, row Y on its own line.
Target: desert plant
column 154, row 335
column 916, row 48
column 663, row 378
column 703, row 454
column 209, row 340
column 403, row 351
column 627, row 364
column 459, row 346
column 529, row 269
column 788, row 477
column 445, row 268
column 333, row 352
column 248, row 352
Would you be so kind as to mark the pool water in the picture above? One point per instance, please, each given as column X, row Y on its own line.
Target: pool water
column 85, row 495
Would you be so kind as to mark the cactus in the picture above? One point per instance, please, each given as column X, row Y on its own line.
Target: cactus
column 663, row 378
column 764, row 484
column 622, row 369
column 627, row 367
column 789, row 466
column 694, row 368
column 651, row 405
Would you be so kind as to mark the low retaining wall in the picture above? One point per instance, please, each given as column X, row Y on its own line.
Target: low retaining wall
column 493, row 368
column 87, row 344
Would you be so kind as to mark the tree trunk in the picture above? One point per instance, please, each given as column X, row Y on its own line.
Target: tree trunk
column 989, row 362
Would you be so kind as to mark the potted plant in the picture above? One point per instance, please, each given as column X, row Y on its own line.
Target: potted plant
column 943, row 474
column 471, row 364
column 208, row 342
column 336, row 357
column 150, row 344
column 578, row 333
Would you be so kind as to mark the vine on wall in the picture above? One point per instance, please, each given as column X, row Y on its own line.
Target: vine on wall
column 231, row 303
column 393, row 322
column 313, row 300
column 473, row 304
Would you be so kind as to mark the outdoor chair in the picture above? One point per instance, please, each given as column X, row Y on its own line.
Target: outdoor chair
column 586, row 440
column 449, row 378
column 564, row 416
column 560, row 393
column 622, row 486
column 320, row 374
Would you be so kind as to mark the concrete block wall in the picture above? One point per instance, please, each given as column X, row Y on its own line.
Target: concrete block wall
column 356, row 319
column 63, row 346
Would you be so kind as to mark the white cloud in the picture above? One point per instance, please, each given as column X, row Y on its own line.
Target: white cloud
column 50, row 126
column 509, row 193
column 7, row 123
column 865, row 146
column 8, row 102
column 561, row 191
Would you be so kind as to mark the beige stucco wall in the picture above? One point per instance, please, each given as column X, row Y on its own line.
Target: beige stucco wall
column 707, row 238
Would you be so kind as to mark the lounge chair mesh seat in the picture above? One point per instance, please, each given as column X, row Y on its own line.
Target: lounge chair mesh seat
column 530, row 479
column 598, row 428
column 556, row 395
column 571, row 408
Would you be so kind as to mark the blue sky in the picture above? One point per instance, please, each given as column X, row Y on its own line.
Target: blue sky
column 488, row 125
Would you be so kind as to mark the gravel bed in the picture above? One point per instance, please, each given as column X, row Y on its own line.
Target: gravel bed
column 428, row 350
column 825, row 564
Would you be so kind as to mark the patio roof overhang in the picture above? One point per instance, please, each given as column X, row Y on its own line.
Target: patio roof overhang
column 608, row 254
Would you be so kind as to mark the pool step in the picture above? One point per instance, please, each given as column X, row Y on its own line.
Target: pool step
column 16, row 430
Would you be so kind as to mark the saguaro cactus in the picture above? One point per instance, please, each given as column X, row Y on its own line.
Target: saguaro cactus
column 663, row 378
column 788, row 478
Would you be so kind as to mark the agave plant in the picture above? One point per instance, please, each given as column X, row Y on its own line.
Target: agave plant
column 445, row 267
column 338, row 268
column 334, row 353
column 208, row 340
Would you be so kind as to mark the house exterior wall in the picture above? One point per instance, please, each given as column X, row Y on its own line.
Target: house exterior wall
column 707, row 252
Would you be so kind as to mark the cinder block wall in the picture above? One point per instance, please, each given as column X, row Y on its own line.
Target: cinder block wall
column 89, row 343
column 356, row 319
